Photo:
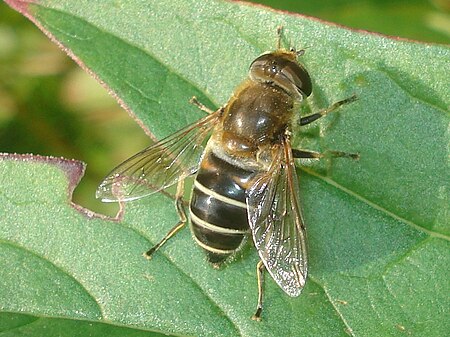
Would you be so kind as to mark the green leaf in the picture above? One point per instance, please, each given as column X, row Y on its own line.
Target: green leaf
column 417, row 19
column 12, row 325
column 378, row 227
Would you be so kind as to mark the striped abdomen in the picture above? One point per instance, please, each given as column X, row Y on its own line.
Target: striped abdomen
column 218, row 210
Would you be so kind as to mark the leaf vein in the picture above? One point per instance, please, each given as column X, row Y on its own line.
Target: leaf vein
column 374, row 205
column 57, row 267
column 336, row 309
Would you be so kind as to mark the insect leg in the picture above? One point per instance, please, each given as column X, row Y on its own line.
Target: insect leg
column 279, row 35
column 311, row 118
column 181, row 213
column 260, row 275
column 201, row 106
column 317, row 155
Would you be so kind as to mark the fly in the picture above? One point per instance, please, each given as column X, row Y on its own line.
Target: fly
column 245, row 181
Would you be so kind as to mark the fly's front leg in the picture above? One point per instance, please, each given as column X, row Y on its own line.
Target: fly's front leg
column 311, row 118
column 181, row 213
column 260, row 275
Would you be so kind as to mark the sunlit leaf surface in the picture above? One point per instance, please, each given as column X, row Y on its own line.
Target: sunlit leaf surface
column 377, row 228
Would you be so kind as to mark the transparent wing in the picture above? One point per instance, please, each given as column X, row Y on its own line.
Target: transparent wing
column 276, row 222
column 158, row 166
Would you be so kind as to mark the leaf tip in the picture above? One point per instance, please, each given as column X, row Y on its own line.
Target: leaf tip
column 21, row 5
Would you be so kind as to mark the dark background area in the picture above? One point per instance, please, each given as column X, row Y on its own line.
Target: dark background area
column 49, row 106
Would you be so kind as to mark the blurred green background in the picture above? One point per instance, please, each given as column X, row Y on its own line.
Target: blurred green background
column 49, row 106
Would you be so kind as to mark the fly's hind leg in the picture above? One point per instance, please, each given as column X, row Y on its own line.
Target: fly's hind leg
column 181, row 213
column 317, row 155
column 204, row 108
column 260, row 275
column 311, row 118
column 201, row 106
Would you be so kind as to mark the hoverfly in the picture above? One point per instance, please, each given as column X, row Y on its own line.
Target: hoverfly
column 245, row 180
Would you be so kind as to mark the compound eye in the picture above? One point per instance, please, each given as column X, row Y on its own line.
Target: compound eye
column 282, row 72
column 262, row 61
column 274, row 68
column 265, row 68
column 299, row 77
column 305, row 82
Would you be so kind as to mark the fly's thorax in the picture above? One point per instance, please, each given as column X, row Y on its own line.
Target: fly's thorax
column 256, row 116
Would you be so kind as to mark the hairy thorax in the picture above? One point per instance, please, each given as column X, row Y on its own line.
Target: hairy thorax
column 254, row 119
